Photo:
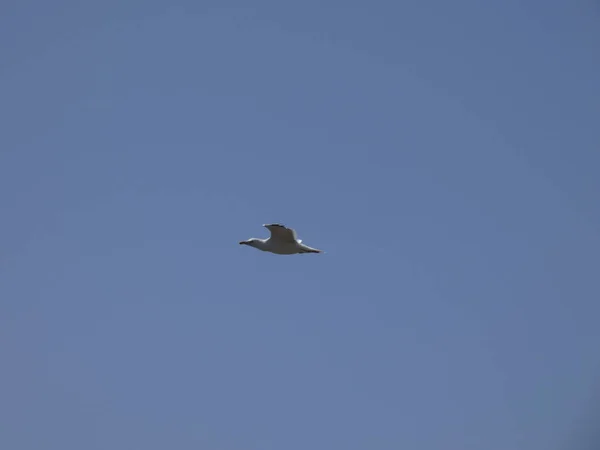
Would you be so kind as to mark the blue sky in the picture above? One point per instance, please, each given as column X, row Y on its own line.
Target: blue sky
column 443, row 154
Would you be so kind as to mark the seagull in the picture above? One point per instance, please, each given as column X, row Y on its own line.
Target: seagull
column 283, row 241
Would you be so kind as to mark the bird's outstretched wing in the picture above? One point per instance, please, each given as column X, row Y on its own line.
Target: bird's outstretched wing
column 281, row 233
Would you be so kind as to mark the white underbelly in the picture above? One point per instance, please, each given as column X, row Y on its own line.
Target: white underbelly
column 286, row 249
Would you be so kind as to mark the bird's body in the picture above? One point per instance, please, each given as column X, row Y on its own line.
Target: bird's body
column 283, row 241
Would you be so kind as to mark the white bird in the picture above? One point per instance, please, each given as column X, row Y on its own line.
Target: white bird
column 283, row 241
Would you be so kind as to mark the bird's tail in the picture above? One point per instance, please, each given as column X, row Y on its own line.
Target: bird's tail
column 305, row 249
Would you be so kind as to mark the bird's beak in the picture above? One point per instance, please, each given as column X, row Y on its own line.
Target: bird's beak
column 243, row 242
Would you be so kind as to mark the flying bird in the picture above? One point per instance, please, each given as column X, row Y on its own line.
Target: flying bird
column 283, row 241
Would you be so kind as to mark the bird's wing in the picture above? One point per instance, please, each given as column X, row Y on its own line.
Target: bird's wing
column 281, row 233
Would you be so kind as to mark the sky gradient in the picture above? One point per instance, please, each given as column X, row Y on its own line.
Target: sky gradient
column 444, row 155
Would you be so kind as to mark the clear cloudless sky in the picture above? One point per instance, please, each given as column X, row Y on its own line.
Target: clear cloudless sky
column 444, row 154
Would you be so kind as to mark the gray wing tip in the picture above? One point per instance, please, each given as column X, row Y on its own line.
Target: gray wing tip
column 274, row 225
